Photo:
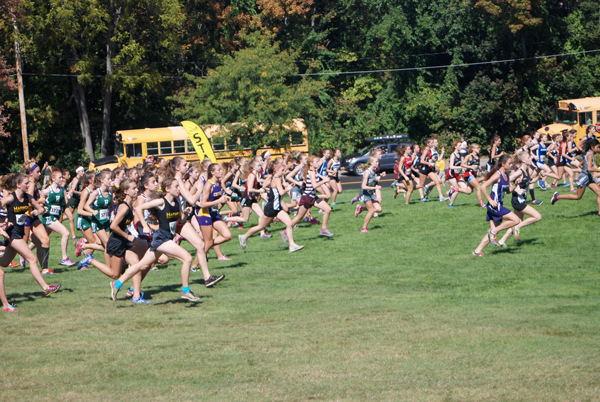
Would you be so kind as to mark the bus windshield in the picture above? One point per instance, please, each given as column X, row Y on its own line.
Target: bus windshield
column 565, row 116
column 119, row 148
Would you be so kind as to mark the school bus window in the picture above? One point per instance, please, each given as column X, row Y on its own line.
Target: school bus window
column 297, row 138
column 152, row 148
column 134, row 150
column 218, row 144
column 179, row 146
column 232, row 143
column 598, row 117
column 165, row 147
column 585, row 118
column 190, row 147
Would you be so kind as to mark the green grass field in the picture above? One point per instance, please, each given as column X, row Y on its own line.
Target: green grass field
column 400, row 313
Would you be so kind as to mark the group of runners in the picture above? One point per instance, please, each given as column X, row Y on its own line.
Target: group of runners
column 138, row 217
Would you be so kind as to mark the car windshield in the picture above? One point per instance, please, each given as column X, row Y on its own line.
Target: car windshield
column 364, row 150
column 565, row 116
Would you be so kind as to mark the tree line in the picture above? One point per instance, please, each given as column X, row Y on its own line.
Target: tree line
column 351, row 68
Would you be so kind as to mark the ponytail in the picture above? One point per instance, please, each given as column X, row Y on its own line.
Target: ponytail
column 501, row 161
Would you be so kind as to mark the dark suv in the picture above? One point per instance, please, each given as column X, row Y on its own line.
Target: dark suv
column 389, row 143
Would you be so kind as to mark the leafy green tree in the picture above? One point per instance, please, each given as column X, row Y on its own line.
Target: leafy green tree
column 254, row 95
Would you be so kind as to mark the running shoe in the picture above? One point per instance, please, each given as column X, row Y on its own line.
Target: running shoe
column 284, row 236
column 516, row 232
column 553, row 185
column 74, row 238
column 313, row 221
column 276, row 220
column 45, row 271
column 213, row 280
column 476, row 254
column 140, row 300
column 442, row 198
column 194, row 269
column 566, row 184
column 326, row 233
column 481, row 204
column 266, row 236
column 224, row 258
column 78, row 247
column 554, row 198
column 113, row 291
column 334, row 204
column 13, row 265
column 86, row 261
column 295, row 247
column 573, row 191
column 10, row 309
column 492, row 237
column 130, row 293
column 536, row 202
column 540, row 183
column 424, row 199
column 190, row 296
column 426, row 191
column 242, row 240
column 364, row 230
column 51, row 289
column 240, row 227
column 358, row 210
column 503, row 245
column 355, row 199
column 395, row 193
column 544, row 188
column 67, row 261
column 321, row 211
column 23, row 262
column 450, row 206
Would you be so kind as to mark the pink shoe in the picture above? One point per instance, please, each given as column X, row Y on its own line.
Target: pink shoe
column 23, row 262
column 573, row 191
column 78, row 247
column 364, row 230
column 224, row 258
column 358, row 211
column 67, row 261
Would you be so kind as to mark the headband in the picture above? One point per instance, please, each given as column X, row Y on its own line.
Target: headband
column 79, row 169
column 278, row 166
column 33, row 168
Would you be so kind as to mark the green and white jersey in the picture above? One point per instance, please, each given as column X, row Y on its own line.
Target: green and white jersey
column 102, row 205
column 55, row 203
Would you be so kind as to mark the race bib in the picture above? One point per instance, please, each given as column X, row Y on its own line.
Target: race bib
column 173, row 227
column 103, row 215
column 21, row 219
column 55, row 210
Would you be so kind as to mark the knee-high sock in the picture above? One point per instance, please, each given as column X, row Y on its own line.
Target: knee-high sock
column 45, row 256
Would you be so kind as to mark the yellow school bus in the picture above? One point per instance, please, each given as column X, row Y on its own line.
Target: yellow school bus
column 133, row 146
column 575, row 114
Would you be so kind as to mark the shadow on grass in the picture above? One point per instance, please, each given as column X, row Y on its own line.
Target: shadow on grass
column 517, row 245
column 236, row 265
column 25, row 297
column 189, row 304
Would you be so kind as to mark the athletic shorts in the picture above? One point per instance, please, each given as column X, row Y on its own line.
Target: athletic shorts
column 517, row 206
column 74, row 202
column 334, row 178
column 538, row 164
column 269, row 211
column 469, row 175
column 295, row 193
column 424, row 169
column 496, row 214
column 98, row 226
column 368, row 197
column 563, row 163
column 15, row 233
column 160, row 237
column 307, row 201
column 117, row 246
column 451, row 174
column 83, row 223
column 584, row 180
column 32, row 221
column 49, row 219
column 551, row 162
column 247, row 201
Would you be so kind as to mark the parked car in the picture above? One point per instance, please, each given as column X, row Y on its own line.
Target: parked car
column 389, row 143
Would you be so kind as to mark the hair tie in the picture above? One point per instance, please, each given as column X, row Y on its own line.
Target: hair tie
column 33, row 168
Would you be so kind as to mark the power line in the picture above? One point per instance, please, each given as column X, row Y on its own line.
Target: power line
column 393, row 70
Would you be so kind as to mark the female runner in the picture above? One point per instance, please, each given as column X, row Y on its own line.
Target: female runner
column 169, row 214
column 309, row 197
column 427, row 168
column 405, row 171
column 208, row 216
column 454, row 175
column 333, row 171
column 18, row 205
column 367, row 192
column 496, row 212
column 472, row 165
column 275, row 207
column 33, row 225
column 522, row 178
column 586, row 178
column 75, row 190
column 120, row 244
column 563, row 161
column 99, row 205
column 84, row 219
column 56, row 199
column 494, row 152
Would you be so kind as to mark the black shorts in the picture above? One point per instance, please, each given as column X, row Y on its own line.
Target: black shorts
column 563, row 163
column 334, row 178
column 74, row 202
column 270, row 212
column 425, row 170
column 116, row 246
column 15, row 233
column 247, row 201
column 517, row 206
column 159, row 238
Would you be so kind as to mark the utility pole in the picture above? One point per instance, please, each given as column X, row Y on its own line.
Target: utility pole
column 21, row 95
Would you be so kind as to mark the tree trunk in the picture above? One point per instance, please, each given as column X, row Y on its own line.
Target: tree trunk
column 84, row 122
column 107, row 144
